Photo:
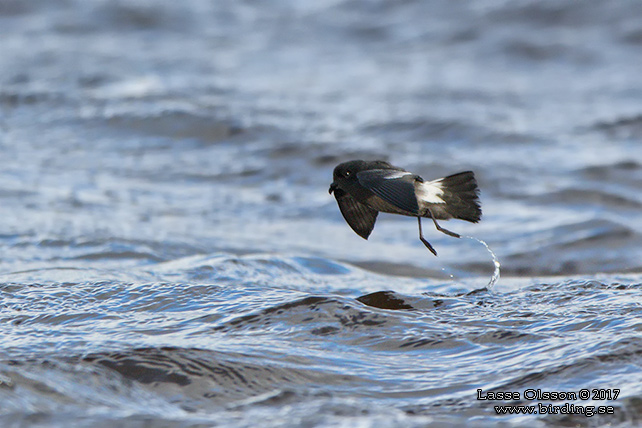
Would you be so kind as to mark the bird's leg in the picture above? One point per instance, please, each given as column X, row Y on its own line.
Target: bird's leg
column 441, row 229
column 421, row 237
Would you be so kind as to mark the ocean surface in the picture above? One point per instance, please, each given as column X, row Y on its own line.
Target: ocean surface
column 170, row 255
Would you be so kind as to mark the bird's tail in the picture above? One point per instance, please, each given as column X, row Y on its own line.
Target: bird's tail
column 461, row 197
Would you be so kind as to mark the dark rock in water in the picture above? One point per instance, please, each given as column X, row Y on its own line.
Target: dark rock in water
column 384, row 300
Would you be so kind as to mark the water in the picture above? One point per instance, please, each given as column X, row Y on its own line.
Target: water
column 496, row 264
column 170, row 256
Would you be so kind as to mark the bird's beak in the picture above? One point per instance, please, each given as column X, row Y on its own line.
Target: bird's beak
column 333, row 187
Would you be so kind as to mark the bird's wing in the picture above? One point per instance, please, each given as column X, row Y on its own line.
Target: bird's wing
column 393, row 186
column 360, row 217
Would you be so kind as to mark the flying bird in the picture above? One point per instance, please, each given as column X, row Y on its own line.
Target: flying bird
column 365, row 188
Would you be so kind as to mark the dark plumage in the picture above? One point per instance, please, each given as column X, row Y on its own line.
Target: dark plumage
column 365, row 188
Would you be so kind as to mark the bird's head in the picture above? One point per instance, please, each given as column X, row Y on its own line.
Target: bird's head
column 345, row 174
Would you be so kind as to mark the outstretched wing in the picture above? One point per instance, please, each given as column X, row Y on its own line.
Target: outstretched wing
column 393, row 186
column 360, row 217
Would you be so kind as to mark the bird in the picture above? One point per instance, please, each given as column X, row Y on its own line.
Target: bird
column 365, row 188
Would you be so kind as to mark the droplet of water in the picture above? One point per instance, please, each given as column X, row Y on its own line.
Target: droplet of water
column 446, row 272
column 495, row 277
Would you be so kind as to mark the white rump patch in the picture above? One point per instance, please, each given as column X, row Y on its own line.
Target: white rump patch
column 430, row 192
column 397, row 174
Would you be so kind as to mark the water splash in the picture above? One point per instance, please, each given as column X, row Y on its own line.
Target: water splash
column 495, row 277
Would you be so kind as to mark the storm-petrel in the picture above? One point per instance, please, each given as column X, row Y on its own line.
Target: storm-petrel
column 364, row 188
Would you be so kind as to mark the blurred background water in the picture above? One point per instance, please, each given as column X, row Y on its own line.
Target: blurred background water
column 170, row 256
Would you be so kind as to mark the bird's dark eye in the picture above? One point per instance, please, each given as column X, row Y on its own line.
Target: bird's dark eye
column 348, row 173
